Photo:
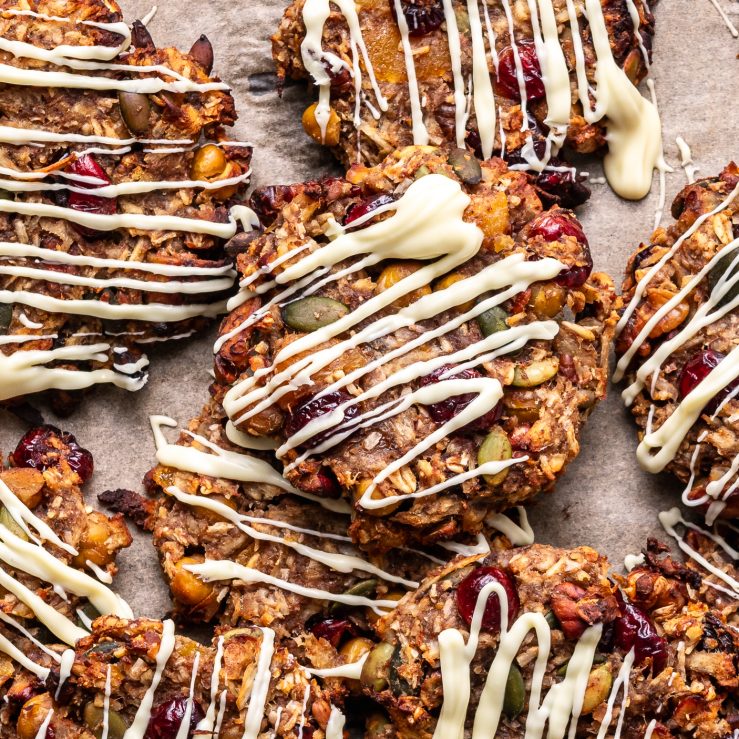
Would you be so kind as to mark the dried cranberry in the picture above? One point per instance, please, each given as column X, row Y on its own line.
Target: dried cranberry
column 554, row 226
column 422, row 16
column 332, row 630
column 696, row 369
column 45, row 446
column 564, row 188
column 341, row 76
column 635, row 630
column 366, row 206
column 507, row 83
column 326, row 483
column 469, row 590
column 167, row 717
column 314, row 408
column 87, row 166
column 443, row 411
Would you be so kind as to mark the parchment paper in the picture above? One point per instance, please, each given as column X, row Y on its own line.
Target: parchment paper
column 604, row 500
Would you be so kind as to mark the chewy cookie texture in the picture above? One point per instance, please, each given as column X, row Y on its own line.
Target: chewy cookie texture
column 119, row 190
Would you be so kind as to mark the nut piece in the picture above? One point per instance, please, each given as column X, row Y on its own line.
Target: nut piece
column 32, row 715
column 188, row 588
column 313, row 128
column 396, row 272
column 26, row 483
column 135, row 109
column 209, row 163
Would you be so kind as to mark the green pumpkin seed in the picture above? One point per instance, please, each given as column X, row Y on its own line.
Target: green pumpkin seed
column 312, row 313
column 492, row 321
column 599, row 687
column 723, row 267
column 495, row 448
column 515, row 693
column 11, row 524
column 465, row 166
column 6, row 316
column 7, row 195
column 552, row 620
column 93, row 717
column 536, row 372
column 364, row 589
column 422, row 171
column 135, row 110
column 253, row 633
column 375, row 668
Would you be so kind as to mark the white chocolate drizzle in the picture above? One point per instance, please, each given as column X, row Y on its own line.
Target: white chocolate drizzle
column 184, row 731
column 725, row 18
column 106, row 704
column 427, row 223
column 140, row 722
column 686, row 159
column 672, row 518
column 335, row 725
column 260, row 688
column 207, row 724
column 215, row 570
column 558, row 709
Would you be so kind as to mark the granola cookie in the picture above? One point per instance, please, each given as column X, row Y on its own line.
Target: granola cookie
column 677, row 345
column 420, row 338
column 513, row 80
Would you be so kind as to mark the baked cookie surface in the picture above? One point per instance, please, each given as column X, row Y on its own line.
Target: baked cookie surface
column 677, row 345
column 421, row 338
column 517, row 80
column 118, row 193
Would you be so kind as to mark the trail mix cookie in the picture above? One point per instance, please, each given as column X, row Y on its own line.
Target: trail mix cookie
column 515, row 80
column 502, row 645
column 119, row 190
column 421, row 338
column 677, row 345
column 57, row 558
column 246, row 551
column 140, row 678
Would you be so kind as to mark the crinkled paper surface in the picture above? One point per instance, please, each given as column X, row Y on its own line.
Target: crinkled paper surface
column 604, row 500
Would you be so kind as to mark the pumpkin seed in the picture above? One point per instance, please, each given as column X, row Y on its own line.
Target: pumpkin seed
column 6, row 316
column 364, row 589
column 135, row 108
column 11, row 524
column 312, row 313
column 721, row 269
column 93, row 717
column 515, row 693
column 422, row 171
column 536, row 372
column 552, row 620
column 495, row 448
column 599, row 688
column 465, row 166
column 492, row 321
column 375, row 668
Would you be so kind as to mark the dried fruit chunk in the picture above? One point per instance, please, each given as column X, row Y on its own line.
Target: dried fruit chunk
column 167, row 718
column 468, row 592
column 46, row 446
column 314, row 408
column 696, row 369
column 422, row 16
column 314, row 312
column 507, row 81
